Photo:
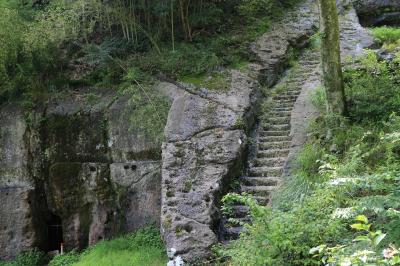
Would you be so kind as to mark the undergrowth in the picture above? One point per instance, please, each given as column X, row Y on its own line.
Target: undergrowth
column 141, row 248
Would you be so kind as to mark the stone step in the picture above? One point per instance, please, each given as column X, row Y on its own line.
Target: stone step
column 310, row 62
column 240, row 211
column 274, row 138
column 284, row 105
column 274, row 145
column 291, row 93
column 265, row 171
column 278, row 109
column 279, row 119
column 297, row 79
column 284, row 97
column 294, row 85
column 274, row 133
column 306, row 70
column 243, row 220
column 232, row 232
column 258, row 190
column 278, row 127
column 288, row 101
column 262, row 200
column 280, row 114
column 261, row 181
column 272, row 153
column 278, row 161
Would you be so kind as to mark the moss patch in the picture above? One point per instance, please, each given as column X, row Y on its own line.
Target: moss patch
column 217, row 81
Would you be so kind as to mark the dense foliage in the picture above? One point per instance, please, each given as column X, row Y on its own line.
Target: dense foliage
column 348, row 169
column 51, row 45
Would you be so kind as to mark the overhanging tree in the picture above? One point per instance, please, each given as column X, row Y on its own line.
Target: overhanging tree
column 330, row 54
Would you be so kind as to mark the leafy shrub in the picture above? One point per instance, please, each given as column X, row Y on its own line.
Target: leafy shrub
column 386, row 34
column 373, row 90
column 285, row 237
column 65, row 259
column 363, row 250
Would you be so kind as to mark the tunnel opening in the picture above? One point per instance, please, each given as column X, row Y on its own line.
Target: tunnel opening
column 54, row 232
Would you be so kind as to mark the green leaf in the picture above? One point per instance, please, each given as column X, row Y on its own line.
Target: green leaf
column 378, row 239
column 361, row 226
column 317, row 249
column 362, row 218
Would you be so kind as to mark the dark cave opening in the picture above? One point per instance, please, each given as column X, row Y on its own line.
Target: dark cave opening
column 380, row 17
column 54, row 232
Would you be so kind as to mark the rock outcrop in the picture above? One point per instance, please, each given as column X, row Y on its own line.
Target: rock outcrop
column 76, row 172
column 203, row 152
column 378, row 12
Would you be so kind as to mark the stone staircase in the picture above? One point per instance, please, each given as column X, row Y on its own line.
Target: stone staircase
column 273, row 136
column 273, row 140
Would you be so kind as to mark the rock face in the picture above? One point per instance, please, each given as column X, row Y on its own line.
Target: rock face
column 17, row 186
column 378, row 12
column 74, row 172
column 205, row 142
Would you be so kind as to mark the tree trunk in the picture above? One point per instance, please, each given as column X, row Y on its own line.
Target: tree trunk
column 330, row 54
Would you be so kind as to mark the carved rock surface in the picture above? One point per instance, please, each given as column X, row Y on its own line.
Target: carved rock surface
column 203, row 152
column 17, row 192
column 80, row 162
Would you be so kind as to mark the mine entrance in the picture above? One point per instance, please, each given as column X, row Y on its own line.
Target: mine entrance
column 54, row 232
